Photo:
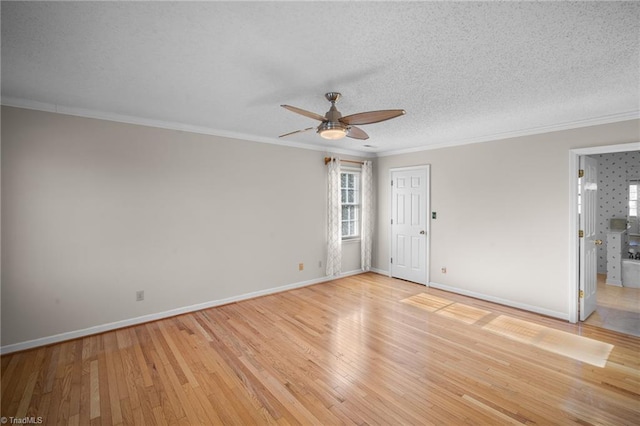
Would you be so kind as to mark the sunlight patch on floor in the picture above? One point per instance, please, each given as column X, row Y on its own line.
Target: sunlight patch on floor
column 447, row 308
column 465, row 313
column 562, row 343
column 559, row 342
column 427, row 302
column 522, row 331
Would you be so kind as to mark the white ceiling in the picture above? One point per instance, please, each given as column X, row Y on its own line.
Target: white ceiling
column 463, row 71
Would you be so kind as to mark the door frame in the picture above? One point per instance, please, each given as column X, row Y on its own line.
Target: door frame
column 574, row 226
column 427, row 219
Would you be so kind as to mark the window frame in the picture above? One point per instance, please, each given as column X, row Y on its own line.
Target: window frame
column 357, row 188
column 633, row 196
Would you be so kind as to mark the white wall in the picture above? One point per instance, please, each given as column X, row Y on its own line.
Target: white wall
column 502, row 227
column 93, row 211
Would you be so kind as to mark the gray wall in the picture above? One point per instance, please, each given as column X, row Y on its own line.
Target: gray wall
column 502, row 229
column 94, row 210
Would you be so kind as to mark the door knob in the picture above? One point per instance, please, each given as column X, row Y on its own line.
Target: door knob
column 422, row 233
column 598, row 242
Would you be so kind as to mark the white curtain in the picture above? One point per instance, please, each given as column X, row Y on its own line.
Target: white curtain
column 334, row 219
column 367, row 215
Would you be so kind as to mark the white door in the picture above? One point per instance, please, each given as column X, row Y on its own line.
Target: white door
column 409, row 224
column 588, row 242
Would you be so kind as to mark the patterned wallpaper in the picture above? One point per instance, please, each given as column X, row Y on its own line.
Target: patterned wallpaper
column 613, row 172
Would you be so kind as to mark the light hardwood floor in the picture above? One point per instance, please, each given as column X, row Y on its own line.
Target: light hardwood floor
column 365, row 349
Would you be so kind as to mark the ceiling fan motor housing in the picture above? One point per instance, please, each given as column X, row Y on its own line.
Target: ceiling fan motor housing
column 331, row 127
column 333, row 115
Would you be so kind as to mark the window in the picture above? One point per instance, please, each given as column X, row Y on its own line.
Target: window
column 350, row 200
column 633, row 198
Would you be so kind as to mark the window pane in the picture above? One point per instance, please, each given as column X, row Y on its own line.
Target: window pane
column 350, row 199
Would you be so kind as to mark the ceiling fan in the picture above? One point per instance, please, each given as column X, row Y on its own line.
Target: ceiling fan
column 334, row 126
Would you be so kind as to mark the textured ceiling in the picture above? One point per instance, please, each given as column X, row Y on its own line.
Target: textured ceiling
column 463, row 71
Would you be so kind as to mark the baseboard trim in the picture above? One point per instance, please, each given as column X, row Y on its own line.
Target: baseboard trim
column 76, row 334
column 506, row 302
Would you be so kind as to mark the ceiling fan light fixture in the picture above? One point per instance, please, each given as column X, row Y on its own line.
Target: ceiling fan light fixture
column 332, row 131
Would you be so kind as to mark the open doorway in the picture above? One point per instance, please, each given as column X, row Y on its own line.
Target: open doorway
column 615, row 306
column 618, row 308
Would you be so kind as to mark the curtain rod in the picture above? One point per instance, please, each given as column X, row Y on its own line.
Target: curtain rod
column 327, row 160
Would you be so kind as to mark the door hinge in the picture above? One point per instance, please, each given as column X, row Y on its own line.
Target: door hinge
column 581, row 294
column 392, row 260
column 581, row 234
column 391, row 183
column 580, row 173
column 392, row 221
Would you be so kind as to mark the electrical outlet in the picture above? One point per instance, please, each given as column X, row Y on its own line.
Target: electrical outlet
column 139, row 296
column 300, row 266
column 444, row 270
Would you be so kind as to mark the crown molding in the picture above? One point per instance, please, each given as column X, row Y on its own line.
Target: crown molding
column 168, row 125
column 607, row 119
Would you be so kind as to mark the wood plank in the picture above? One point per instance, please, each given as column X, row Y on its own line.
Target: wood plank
column 110, row 345
column 30, row 385
column 94, row 386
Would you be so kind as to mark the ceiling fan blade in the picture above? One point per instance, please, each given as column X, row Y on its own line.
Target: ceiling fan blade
column 357, row 133
column 297, row 131
column 304, row 112
column 372, row 116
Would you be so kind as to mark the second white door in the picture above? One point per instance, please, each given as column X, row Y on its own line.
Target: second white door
column 409, row 230
column 588, row 241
